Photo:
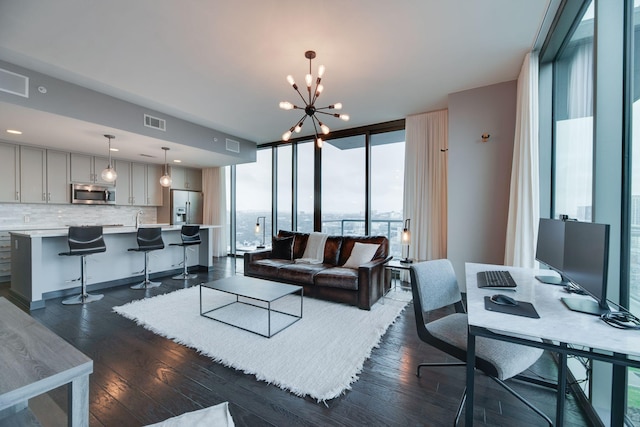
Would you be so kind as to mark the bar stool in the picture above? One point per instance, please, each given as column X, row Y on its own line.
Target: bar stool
column 190, row 235
column 149, row 239
column 84, row 241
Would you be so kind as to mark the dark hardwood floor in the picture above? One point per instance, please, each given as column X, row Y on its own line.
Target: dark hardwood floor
column 141, row 378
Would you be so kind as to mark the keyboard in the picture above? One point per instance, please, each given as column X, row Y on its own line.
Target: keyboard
column 496, row 280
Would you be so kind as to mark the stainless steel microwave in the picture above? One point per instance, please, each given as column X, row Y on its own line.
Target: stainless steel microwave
column 90, row 194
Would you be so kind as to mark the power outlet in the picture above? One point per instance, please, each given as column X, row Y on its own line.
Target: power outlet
column 27, row 218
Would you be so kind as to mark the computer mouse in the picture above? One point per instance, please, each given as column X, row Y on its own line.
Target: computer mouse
column 502, row 299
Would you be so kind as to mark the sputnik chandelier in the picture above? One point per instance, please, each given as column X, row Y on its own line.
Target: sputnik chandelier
column 309, row 108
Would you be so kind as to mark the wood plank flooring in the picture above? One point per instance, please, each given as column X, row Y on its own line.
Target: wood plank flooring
column 141, row 378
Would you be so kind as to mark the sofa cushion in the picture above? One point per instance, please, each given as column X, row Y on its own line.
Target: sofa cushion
column 349, row 241
column 300, row 273
column 332, row 250
column 361, row 253
column 268, row 267
column 282, row 248
column 299, row 243
column 337, row 277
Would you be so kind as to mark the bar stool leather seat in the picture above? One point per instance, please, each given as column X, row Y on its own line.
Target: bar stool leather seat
column 84, row 241
column 149, row 239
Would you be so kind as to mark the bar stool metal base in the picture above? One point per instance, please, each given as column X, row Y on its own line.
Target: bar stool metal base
column 82, row 299
column 185, row 276
column 147, row 284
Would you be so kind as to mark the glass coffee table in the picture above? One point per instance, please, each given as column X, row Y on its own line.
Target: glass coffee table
column 254, row 305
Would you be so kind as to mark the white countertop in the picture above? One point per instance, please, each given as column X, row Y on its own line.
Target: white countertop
column 63, row 231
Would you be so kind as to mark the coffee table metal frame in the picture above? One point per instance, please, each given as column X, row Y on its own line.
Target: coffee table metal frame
column 253, row 289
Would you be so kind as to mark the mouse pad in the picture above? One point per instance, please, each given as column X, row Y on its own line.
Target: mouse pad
column 525, row 309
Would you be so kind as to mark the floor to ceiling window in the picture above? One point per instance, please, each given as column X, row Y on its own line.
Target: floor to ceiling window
column 304, row 179
column 284, row 179
column 633, row 380
column 253, row 201
column 573, row 112
column 387, row 187
column 343, row 186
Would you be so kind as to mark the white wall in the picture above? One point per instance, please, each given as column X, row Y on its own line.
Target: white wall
column 479, row 174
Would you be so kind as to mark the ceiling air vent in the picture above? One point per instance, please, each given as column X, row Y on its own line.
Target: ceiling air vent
column 233, row 146
column 155, row 123
column 16, row 84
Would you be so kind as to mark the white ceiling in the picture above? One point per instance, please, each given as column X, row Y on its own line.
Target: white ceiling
column 222, row 64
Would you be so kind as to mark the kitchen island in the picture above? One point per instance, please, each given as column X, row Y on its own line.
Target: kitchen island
column 38, row 273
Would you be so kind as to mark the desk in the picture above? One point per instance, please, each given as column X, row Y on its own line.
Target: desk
column 599, row 340
column 35, row 361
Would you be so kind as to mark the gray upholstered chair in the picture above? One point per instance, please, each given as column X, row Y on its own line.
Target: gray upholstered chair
column 434, row 286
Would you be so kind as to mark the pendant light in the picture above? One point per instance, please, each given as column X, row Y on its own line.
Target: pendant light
column 109, row 173
column 165, row 180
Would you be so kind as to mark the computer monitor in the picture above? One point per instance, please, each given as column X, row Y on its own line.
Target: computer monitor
column 586, row 260
column 550, row 249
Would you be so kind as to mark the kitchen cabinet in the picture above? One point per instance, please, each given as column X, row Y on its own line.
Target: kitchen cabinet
column 154, row 189
column 9, row 173
column 87, row 169
column 136, row 184
column 186, row 178
column 44, row 176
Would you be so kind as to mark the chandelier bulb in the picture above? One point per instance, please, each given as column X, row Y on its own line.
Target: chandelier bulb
column 319, row 142
column 298, row 128
column 290, row 80
column 320, row 71
column 344, row 117
column 308, row 79
column 286, row 105
column 325, row 128
column 319, row 90
column 286, row 135
column 338, row 105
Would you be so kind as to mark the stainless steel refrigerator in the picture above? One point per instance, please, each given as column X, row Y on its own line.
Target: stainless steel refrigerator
column 186, row 207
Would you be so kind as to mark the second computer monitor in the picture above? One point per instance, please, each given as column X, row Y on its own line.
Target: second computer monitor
column 550, row 249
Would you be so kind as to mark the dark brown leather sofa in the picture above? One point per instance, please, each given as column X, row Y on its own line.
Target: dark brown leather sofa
column 361, row 287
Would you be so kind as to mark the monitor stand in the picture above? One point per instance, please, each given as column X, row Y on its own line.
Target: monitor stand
column 552, row 280
column 584, row 306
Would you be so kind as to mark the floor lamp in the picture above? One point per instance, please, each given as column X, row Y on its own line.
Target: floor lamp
column 264, row 230
column 405, row 239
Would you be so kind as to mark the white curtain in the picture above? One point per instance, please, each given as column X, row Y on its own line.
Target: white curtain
column 425, row 184
column 215, row 207
column 524, row 197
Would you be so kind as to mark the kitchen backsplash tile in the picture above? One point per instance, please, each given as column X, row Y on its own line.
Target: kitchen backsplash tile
column 24, row 215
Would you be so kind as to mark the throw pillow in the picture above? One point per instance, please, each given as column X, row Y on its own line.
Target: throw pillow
column 281, row 247
column 361, row 253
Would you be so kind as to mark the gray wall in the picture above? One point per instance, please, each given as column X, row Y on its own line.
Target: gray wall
column 479, row 174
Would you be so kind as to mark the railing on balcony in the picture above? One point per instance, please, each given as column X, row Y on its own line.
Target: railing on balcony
column 391, row 228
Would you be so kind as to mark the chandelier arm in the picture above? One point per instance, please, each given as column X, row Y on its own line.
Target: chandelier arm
column 299, row 93
column 324, row 112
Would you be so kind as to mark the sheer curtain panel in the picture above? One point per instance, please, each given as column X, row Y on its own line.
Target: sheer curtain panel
column 425, row 183
column 215, row 207
column 524, row 196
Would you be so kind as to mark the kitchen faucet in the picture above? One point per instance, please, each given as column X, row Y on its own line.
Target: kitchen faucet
column 138, row 214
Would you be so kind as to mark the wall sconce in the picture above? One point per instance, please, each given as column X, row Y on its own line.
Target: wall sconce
column 405, row 239
column 485, row 137
column 264, row 230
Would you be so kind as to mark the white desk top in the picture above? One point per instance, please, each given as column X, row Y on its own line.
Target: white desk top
column 556, row 322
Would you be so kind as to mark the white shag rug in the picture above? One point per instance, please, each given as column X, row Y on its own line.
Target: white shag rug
column 319, row 356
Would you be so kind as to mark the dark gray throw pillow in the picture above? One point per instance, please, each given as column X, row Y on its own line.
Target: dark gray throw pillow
column 281, row 247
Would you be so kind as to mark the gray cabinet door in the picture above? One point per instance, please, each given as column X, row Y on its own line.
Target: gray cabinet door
column 33, row 178
column 58, row 189
column 9, row 173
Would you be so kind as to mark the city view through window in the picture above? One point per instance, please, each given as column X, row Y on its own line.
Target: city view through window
column 343, row 190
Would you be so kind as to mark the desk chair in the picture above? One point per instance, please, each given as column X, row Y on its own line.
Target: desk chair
column 434, row 285
column 190, row 235
column 84, row 241
column 149, row 239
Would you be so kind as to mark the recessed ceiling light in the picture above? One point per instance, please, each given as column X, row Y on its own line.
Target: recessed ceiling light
column 114, row 149
column 15, row 132
column 177, row 161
